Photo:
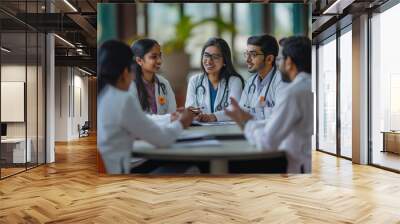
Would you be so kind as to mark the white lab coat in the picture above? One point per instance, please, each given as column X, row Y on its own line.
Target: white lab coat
column 290, row 127
column 163, row 115
column 170, row 104
column 121, row 120
column 250, row 99
column 203, row 100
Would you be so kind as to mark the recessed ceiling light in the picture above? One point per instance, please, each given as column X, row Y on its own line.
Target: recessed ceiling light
column 86, row 72
column 70, row 5
column 65, row 41
column 5, row 50
column 338, row 6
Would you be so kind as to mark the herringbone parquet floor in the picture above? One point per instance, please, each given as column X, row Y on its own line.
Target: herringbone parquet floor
column 71, row 191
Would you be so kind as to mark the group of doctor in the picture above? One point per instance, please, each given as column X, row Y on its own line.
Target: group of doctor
column 209, row 92
column 274, row 107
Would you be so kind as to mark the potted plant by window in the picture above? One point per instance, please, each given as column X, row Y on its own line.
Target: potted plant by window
column 176, row 62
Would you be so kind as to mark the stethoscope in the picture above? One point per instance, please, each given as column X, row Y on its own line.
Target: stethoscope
column 161, row 86
column 252, row 88
column 224, row 98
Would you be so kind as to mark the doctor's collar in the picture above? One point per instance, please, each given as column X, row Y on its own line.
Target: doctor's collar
column 153, row 81
column 271, row 71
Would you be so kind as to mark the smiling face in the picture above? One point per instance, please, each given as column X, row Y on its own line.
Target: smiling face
column 255, row 58
column 212, row 60
column 151, row 62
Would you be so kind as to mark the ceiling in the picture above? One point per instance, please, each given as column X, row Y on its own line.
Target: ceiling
column 76, row 24
column 330, row 15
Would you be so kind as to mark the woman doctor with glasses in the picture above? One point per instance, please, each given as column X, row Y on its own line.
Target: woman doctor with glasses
column 209, row 92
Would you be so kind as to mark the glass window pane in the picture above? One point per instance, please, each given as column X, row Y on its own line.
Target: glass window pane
column 327, row 97
column 314, row 90
column 226, row 10
column 200, row 34
column 346, row 94
column 283, row 20
column 13, row 87
column 31, row 98
column 41, row 99
column 243, row 25
column 162, row 29
column 385, row 88
column 23, row 87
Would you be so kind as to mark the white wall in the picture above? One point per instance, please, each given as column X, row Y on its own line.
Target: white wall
column 61, row 103
column 80, row 109
column 33, row 126
column 71, row 94
column 16, row 73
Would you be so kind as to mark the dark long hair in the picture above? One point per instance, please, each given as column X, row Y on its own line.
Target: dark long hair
column 227, row 70
column 139, row 49
column 113, row 57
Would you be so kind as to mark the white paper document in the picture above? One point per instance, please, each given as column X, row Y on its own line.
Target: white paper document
column 187, row 135
column 216, row 123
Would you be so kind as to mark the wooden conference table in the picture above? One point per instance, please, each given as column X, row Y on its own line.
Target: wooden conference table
column 223, row 143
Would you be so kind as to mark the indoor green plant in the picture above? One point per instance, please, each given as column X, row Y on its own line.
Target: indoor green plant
column 184, row 28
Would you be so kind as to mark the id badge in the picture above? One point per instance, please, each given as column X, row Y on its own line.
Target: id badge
column 261, row 101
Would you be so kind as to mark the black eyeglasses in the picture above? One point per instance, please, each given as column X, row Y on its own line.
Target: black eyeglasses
column 211, row 56
column 251, row 54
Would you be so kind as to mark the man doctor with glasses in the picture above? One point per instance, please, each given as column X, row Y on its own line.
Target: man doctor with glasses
column 262, row 88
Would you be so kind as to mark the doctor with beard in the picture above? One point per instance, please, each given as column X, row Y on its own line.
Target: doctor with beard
column 291, row 124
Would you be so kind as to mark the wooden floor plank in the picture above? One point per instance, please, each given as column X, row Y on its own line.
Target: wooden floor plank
column 71, row 191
